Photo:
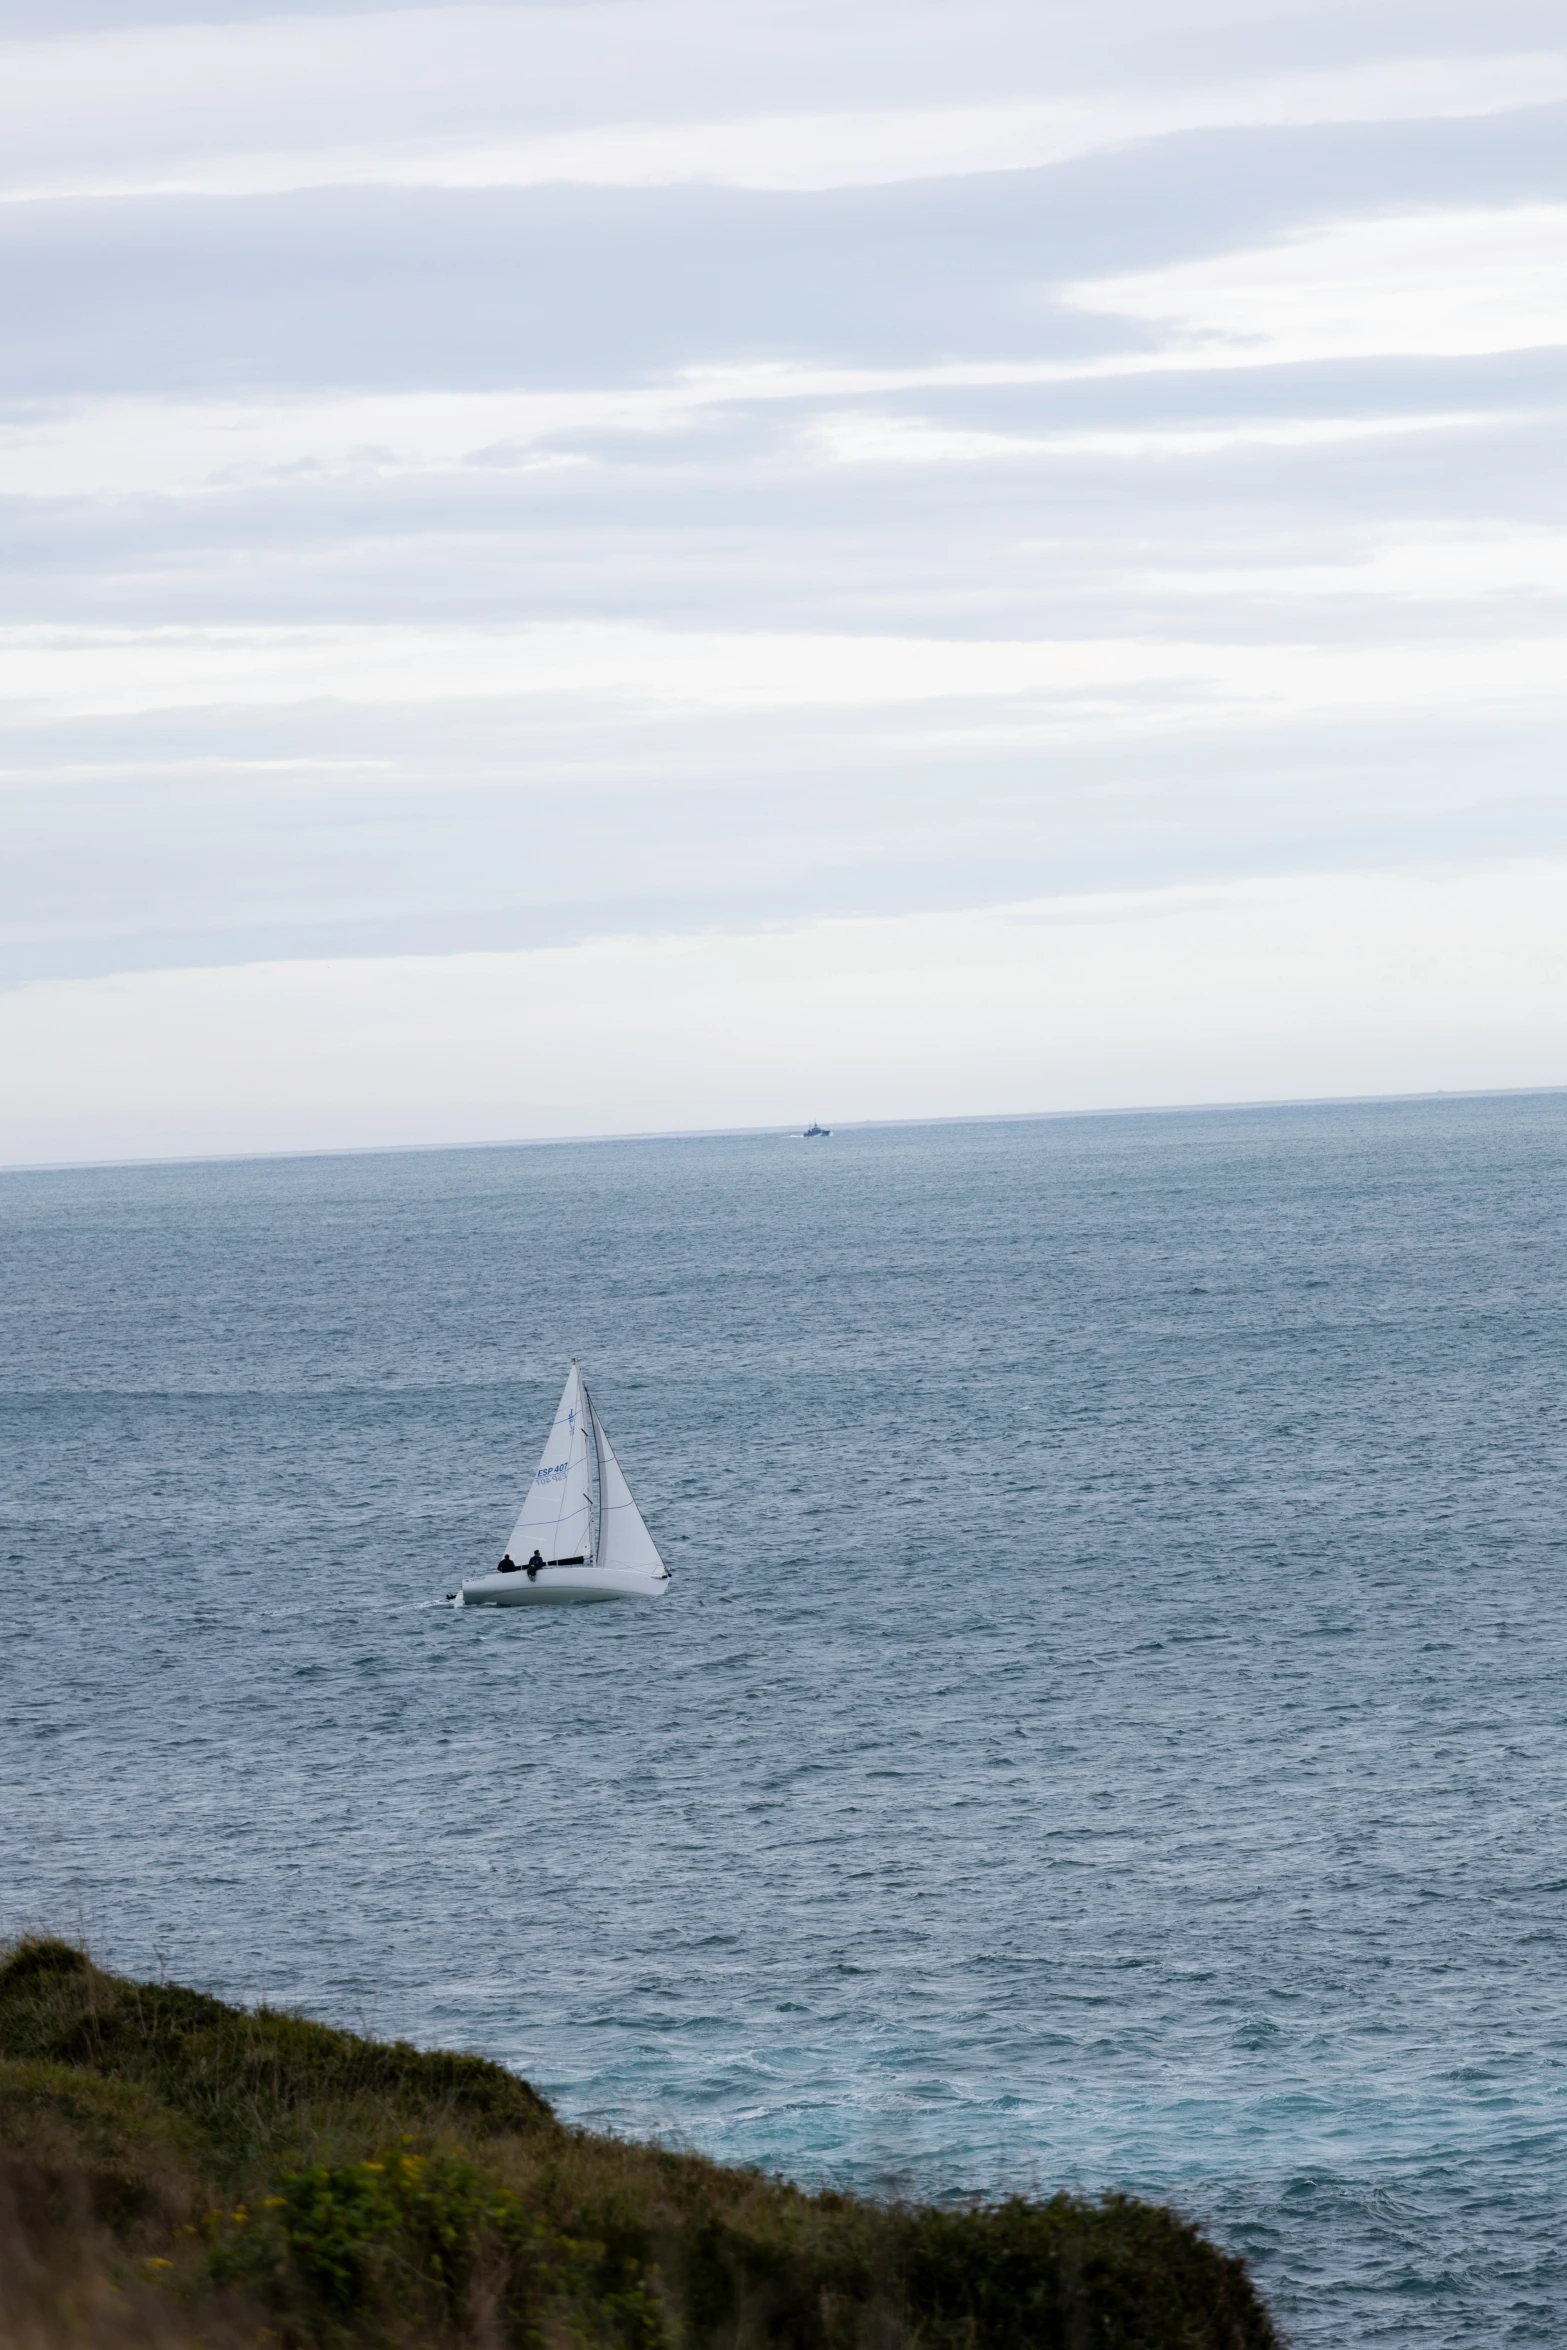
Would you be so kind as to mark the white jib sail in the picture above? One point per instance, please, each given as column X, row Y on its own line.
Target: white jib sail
column 624, row 1540
column 558, row 1513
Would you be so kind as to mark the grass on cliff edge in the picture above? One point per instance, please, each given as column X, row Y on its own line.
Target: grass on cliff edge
column 175, row 2171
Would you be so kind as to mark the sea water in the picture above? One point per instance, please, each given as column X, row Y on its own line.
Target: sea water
column 1109, row 1726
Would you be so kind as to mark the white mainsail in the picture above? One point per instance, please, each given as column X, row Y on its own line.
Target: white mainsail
column 558, row 1516
column 624, row 1540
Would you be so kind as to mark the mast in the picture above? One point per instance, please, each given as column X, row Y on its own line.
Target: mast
column 598, row 1471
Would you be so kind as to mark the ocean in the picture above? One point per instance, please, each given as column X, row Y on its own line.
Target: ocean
column 1108, row 1728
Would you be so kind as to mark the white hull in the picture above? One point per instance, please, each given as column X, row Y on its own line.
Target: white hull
column 563, row 1587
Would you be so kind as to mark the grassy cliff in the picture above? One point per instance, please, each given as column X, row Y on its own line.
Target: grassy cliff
column 174, row 2171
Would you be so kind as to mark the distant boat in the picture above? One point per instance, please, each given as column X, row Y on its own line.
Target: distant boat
column 813, row 1129
column 580, row 1536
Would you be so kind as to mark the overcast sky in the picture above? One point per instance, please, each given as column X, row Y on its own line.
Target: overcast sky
column 635, row 564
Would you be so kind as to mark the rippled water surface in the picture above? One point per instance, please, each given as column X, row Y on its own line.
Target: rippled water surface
column 1109, row 1721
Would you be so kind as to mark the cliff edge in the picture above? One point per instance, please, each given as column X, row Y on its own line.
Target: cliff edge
column 176, row 2171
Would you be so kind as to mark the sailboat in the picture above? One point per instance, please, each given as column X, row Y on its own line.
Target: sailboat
column 579, row 1536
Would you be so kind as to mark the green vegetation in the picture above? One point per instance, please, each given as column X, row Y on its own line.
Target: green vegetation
column 174, row 2171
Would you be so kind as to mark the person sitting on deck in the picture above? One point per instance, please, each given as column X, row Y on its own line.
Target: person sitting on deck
column 534, row 1565
column 508, row 1565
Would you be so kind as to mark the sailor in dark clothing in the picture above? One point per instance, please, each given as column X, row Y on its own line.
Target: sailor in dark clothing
column 508, row 1565
column 534, row 1565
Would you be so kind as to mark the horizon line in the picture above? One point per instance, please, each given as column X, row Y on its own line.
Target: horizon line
column 392, row 1150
